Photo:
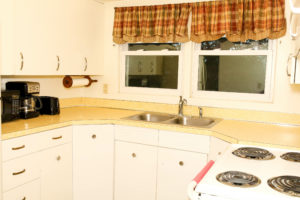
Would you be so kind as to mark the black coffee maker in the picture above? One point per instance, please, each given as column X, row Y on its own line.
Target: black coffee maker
column 29, row 103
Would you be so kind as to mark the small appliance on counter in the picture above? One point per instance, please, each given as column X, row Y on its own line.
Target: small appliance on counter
column 50, row 105
column 29, row 108
column 10, row 105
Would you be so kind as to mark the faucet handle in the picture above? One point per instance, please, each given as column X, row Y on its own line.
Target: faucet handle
column 200, row 111
column 180, row 98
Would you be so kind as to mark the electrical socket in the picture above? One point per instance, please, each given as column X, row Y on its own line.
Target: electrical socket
column 105, row 88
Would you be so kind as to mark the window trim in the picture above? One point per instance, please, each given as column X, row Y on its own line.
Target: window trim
column 150, row 91
column 217, row 95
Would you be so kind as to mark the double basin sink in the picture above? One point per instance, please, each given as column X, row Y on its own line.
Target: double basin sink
column 175, row 119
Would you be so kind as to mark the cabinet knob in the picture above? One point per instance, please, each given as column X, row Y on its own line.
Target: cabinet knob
column 58, row 158
column 22, row 61
column 219, row 153
column 86, row 64
column 94, row 136
column 133, row 155
column 181, row 163
column 58, row 63
column 24, row 198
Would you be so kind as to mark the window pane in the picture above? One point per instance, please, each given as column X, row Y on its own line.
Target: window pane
column 224, row 44
column 152, row 71
column 242, row 74
column 154, row 46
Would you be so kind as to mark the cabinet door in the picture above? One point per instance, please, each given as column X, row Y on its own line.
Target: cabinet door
column 176, row 169
column 93, row 162
column 135, row 171
column 7, row 37
column 35, row 30
column 56, row 173
column 93, row 35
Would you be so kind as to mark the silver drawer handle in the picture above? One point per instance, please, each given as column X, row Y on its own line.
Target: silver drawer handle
column 57, row 138
column 22, row 61
column 58, row 63
column 86, row 64
column 18, row 173
column 18, row 148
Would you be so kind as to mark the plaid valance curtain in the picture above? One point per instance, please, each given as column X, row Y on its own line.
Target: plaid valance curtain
column 239, row 20
column 160, row 23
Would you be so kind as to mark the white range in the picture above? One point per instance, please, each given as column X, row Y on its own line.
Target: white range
column 257, row 183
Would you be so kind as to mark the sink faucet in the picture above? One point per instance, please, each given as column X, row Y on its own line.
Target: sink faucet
column 200, row 112
column 180, row 105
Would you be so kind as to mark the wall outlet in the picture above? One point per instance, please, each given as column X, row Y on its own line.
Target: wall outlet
column 105, row 88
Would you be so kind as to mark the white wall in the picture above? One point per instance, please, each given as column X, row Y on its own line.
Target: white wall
column 286, row 97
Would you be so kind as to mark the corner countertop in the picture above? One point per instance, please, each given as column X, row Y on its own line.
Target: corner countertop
column 233, row 131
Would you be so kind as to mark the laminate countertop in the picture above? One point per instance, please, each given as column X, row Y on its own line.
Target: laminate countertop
column 233, row 131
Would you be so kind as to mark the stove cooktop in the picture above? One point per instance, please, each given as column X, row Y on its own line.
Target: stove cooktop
column 253, row 153
column 254, row 173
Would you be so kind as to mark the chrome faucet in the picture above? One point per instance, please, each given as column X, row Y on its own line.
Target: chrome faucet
column 180, row 105
column 200, row 112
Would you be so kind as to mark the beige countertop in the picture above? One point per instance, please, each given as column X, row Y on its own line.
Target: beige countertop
column 232, row 131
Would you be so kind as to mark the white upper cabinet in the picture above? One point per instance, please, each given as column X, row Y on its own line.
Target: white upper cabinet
column 51, row 37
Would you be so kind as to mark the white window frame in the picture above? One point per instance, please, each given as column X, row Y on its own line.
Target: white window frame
column 150, row 91
column 269, row 79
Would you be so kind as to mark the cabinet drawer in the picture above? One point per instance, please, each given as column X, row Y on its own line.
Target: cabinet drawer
column 21, row 146
column 184, row 141
column 30, row 191
column 19, row 171
column 137, row 135
column 56, row 137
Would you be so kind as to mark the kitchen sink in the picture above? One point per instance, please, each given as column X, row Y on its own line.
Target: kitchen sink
column 174, row 119
column 193, row 121
column 151, row 117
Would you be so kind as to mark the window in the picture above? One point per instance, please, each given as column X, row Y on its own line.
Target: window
column 233, row 70
column 151, row 68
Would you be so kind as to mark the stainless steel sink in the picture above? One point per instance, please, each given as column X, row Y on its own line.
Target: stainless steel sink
column 193, row 121
column 175, row 119
column 151, row 117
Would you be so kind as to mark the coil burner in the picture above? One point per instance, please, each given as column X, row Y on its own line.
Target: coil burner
column 238, row 179
column 291, row 156
column 253, row 153
column 289, row 185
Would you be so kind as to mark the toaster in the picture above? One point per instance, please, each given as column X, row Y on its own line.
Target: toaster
column 50, row 105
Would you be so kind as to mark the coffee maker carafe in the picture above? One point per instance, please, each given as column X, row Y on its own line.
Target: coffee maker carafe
column 29, row 103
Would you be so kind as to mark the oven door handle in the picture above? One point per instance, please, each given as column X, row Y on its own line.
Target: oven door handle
column 193, row 195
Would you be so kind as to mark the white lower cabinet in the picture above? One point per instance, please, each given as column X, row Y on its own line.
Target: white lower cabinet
column 176, row 169
column 93, row 147
column 135, row 171
column 29, row 191
column 56, row 173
